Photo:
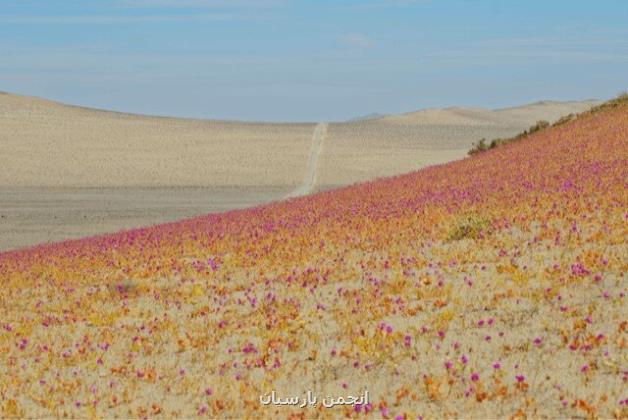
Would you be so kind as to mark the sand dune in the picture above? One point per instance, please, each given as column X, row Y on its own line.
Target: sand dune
column 129, row 170
column 523, row 115
column 49, row 144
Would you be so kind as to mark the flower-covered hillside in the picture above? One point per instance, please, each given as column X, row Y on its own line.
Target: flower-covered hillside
column 492, row 286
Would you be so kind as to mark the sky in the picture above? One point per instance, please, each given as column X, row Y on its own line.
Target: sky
column 323, row 60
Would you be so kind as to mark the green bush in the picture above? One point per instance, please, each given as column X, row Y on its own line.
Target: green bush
column 540, row 125
column 478, row 147
column 471, row 227
column 564, row 119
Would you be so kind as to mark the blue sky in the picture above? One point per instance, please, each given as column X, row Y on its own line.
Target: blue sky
column 283, row 60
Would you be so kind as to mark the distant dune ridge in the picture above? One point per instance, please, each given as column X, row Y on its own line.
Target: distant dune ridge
column 70, row 171
column 50, row 144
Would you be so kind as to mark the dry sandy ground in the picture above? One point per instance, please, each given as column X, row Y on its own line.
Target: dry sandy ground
column 46, row 214
column 69, row 171
column 48, row 144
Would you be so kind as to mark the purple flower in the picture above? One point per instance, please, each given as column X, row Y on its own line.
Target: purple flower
column 475, row 377
column 202, row 409
column 578, row 269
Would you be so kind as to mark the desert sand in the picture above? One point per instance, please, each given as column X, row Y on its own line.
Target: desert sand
column 33, row 215
column 69, row 171
column 49, row 144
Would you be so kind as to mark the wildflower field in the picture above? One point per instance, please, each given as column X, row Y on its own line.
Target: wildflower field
column 494, row 286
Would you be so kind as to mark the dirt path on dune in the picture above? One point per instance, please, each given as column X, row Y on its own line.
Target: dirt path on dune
column 320, row 131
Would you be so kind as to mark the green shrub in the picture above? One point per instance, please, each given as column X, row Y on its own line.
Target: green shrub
column 540, row 125
column 564, row 119
column 471, row 227
column 478, row 147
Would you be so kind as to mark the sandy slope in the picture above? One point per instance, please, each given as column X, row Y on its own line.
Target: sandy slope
column 49, row 144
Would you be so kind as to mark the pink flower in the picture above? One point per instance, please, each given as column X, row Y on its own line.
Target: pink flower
column 464, row 359
column 537, row 341
column 202, row 409
column 496, row 365
column 578, row 269
column 475, row 377
column 520, row 378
